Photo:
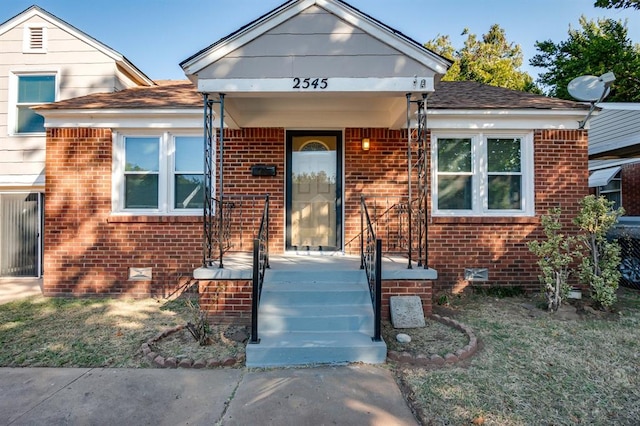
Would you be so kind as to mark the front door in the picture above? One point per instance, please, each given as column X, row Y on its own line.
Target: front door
column 314, row 190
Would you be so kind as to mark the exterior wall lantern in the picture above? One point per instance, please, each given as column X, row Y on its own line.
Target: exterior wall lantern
column 366, row 144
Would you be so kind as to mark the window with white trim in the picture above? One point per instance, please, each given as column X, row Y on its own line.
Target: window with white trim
column 32, row 90
column 158, row 174
column 612, row 191
column 483, row 174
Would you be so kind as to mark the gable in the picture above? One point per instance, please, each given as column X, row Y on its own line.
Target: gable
column 318, row 40
column 315, row 43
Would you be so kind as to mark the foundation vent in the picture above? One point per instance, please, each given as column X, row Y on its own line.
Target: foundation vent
column 476, row 274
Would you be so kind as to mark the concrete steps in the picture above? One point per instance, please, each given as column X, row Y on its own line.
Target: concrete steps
column 315, row 317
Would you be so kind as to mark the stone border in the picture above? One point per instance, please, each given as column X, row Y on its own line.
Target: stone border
column 436, row 360
column 171, row 362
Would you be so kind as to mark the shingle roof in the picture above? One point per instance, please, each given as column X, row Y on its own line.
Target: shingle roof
column 464, row 95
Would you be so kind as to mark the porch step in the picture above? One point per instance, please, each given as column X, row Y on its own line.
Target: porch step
column 277, row 349
column 317, row 317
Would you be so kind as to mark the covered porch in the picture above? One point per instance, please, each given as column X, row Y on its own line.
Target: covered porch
column 316, row 162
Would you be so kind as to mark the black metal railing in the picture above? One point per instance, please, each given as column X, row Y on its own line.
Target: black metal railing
column 390, row 218
column 233, row 227
column 260, row 264
column 371, row 262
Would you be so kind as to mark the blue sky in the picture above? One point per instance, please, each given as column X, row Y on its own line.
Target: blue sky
column 156, row 35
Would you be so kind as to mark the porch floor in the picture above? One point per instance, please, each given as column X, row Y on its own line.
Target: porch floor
column 239, row 265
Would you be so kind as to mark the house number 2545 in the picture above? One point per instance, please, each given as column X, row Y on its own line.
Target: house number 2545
column 310, row 83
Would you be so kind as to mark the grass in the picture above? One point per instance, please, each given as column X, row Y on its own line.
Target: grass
column 532, row 367
column 42, row 332
column 536, row 369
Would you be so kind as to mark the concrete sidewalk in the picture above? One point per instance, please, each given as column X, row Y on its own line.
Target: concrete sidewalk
column 336, row 395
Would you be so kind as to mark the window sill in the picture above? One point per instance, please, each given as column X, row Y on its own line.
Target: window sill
column 153, row 219
column 485, row 220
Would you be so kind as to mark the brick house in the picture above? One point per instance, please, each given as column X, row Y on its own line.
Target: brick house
column 320, row 105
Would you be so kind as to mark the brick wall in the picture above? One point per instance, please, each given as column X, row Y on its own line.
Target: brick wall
column 226, row 301
column 500, row 244
column 88, row 251
column 422, row 289
column 631, row 189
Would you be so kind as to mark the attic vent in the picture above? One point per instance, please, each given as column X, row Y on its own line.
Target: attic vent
column 35, row 39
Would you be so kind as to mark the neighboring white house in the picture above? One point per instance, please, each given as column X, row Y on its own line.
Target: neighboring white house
column 42, row 59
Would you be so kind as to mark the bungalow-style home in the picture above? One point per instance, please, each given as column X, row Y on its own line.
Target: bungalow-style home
column 308, row 135
column 42, row 59
column 614, row 166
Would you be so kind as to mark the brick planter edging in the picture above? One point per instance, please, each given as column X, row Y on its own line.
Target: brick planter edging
column 436, row 360
column 171, row 362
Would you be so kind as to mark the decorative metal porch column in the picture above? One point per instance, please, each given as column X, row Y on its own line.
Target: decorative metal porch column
column 210, row 204
column 418, row 136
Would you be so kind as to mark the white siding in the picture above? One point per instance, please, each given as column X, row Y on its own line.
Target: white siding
column 80, row 69
column 315, row 43
column 614, row 128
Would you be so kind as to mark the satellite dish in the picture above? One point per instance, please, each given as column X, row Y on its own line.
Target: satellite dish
column 591, row 89
column 588, row 88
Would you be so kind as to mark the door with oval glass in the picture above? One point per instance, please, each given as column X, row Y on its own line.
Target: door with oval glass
column 314, row 190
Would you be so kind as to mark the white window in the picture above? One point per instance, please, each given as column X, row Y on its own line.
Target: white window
column 32, row 90
column 158, row 174
column 612, row 191
column 483, row 175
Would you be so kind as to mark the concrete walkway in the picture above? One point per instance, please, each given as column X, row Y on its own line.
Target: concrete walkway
column 18, row 288
column 337, row 395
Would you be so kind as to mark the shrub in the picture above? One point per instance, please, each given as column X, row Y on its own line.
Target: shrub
column 599, row 257
column 555, row 255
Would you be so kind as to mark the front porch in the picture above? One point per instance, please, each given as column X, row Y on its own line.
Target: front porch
column 314, row 307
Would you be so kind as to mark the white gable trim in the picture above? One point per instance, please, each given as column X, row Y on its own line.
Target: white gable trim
column 279, row 16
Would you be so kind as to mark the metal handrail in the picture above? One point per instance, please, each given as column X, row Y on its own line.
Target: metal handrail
column 236, row 220
column 389, row 216
column 260, row 264
column 371, row 262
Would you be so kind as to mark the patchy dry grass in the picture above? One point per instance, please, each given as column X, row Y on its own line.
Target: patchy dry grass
column 55, row 332
column 535, row 369
column 432, row 339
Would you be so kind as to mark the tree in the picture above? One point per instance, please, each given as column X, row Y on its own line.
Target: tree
column 618, row 4
column 594, row 49
column 491, row 60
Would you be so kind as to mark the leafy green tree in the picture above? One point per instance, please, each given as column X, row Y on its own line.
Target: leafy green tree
column 490, row 60
column 595, row 48
column 618, row 4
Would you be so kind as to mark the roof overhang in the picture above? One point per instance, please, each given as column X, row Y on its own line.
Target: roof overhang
column 124, row 118
column 602, row 177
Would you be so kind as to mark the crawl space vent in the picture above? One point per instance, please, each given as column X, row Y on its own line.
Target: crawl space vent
column 476, row 274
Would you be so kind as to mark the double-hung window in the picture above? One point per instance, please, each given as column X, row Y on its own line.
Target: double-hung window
column 33, row 90
column 483, row 175
column 158, row 174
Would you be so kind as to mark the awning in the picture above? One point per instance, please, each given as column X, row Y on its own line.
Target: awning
column 602, row 177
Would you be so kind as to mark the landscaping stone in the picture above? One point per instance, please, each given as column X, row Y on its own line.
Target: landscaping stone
column 185, row 363
column 406, row 312
column 403, row 338
column 171, row 363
